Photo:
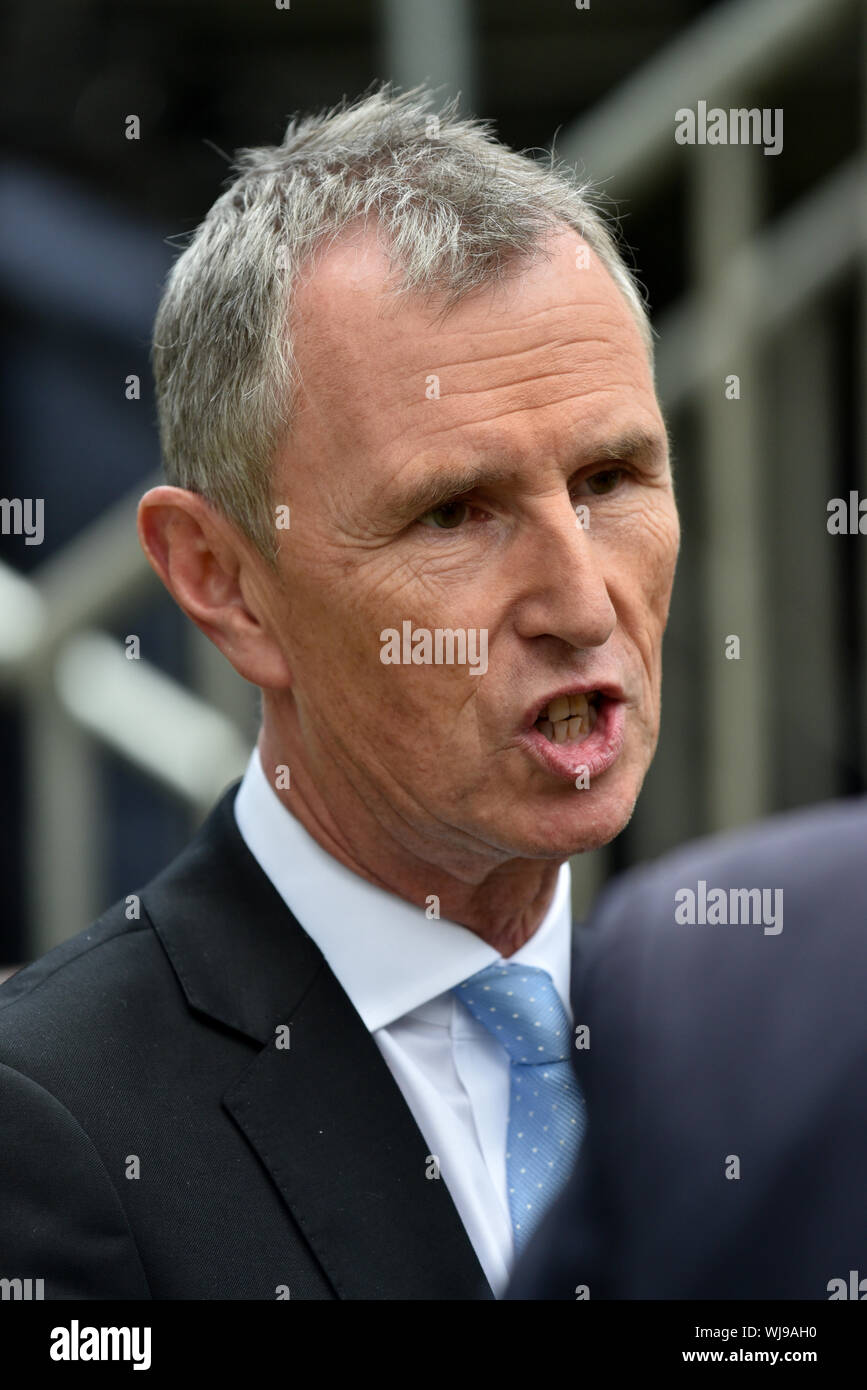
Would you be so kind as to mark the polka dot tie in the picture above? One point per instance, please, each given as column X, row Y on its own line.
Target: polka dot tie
column 520, row 1007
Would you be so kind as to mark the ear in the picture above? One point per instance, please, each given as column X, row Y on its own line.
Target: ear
column 218, row 578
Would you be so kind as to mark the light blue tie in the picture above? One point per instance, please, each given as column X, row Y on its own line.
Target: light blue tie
column 520, row 1007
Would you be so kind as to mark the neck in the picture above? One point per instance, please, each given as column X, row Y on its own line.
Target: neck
column 500, row 898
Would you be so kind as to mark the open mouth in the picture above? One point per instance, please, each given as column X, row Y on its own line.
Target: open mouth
column 569, row 718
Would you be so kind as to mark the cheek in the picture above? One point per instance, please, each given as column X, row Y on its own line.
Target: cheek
column 669, row 550
column 642, row 564
column 404, row 708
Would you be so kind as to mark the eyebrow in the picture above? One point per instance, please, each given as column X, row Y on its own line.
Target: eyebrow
column 436, row 488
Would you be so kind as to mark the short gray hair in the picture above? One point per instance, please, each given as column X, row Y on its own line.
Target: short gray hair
column 454, row 207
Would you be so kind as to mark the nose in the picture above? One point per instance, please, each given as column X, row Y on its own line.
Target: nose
column 561, row 589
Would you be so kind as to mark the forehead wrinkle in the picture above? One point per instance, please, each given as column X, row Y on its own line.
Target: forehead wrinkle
column 514, row 321
column 522, row 408
column 412, row 347
column 594, row 334
column 597, row 353
column 512, row 383
column 575, row 355
column 450, row 426
column 584, row 376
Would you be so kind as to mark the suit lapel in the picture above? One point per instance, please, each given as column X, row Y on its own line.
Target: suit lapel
column 334, row 1131
column 324, row 1113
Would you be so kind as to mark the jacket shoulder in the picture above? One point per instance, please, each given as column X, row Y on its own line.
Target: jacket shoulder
column 96, row 977
column 97, row 949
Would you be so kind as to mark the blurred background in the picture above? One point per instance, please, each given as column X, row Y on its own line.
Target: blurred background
column 755, row 266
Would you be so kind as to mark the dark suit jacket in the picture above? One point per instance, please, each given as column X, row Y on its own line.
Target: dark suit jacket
column 260, row 1168
column 712, row 1042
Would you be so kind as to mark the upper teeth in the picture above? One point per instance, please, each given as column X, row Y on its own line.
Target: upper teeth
column 566, row 707
column 567, row 718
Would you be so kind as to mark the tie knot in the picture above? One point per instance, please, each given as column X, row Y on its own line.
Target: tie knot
column 520, row 1007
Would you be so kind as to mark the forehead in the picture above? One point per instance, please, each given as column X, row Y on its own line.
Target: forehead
column 556, row 334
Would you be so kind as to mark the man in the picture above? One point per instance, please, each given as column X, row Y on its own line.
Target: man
column 732, row 976
column 419, row 494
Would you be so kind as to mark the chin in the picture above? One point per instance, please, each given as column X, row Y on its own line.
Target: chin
column 576, row 822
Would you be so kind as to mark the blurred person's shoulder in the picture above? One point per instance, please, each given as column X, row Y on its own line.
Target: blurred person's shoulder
column 722, row 932
column 817, row 855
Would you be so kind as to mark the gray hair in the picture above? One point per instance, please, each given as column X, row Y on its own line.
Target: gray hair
column 454, row 208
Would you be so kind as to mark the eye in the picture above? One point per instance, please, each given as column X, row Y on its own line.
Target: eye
column 446, row 517
column 605, row 481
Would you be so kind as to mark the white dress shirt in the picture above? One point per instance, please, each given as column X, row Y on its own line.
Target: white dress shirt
column 398, row 968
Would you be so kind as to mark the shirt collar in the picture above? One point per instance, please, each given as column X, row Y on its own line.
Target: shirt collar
column 387, row 954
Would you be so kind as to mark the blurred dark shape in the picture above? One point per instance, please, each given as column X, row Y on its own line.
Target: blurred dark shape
column 715, row 1043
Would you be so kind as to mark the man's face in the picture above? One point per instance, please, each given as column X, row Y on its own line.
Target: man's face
column 433, row 476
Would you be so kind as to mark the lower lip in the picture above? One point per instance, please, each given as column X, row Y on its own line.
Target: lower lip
column 596, row 753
